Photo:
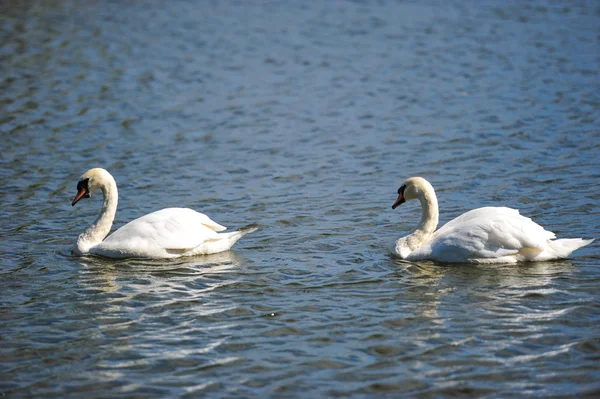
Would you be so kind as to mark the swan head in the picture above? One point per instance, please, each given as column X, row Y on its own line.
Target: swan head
column 90, row 182
column 413, row 188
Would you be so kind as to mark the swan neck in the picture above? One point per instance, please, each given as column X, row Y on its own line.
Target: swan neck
column 429, row 213
column 96, row 233
column 429, row 221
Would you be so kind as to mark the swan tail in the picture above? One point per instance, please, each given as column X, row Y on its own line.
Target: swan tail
column 223, row 242
column 239, row 233
column 562, row 248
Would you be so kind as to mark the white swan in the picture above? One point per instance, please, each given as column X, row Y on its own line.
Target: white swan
column 168, row 233
column 484, row 235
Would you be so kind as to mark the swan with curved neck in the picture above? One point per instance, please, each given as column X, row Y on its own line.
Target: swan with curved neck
column 483, row 235
column 168, row 233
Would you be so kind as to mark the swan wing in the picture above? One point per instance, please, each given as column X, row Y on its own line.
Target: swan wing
column 170, row 229
column 483, row 213
column 487, row 233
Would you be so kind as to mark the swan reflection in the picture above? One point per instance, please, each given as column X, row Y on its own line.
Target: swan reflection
column 499, row 289
column 133, row 277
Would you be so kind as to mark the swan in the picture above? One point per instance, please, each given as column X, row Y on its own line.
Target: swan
column 168, row 233
column 484, row 235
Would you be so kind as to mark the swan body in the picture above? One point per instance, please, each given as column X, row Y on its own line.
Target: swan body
column 168, row 233
column 484, row 235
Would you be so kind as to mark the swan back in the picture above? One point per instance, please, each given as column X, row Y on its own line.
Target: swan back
column 161, row 234
column 486, row 233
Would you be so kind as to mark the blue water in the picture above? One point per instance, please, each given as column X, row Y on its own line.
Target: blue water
column 303, row 118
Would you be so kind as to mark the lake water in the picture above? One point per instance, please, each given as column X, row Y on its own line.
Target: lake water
column 302, row 117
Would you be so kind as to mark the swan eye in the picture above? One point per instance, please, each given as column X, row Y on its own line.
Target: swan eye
column 401, row 189
column 83, row 184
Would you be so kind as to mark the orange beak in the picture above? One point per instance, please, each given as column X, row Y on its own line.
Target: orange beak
column 399, row 201
column 80, row 194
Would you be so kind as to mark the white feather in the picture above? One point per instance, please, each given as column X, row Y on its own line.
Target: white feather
column 168, row 233
column 484, row 235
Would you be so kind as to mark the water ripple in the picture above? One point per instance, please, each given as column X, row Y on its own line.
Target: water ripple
column 304, row 119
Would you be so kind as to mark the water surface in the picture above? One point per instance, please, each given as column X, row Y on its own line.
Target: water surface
column 303, row 118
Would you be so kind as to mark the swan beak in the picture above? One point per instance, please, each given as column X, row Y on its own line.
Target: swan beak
column 399, row 201
column 82, row 193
